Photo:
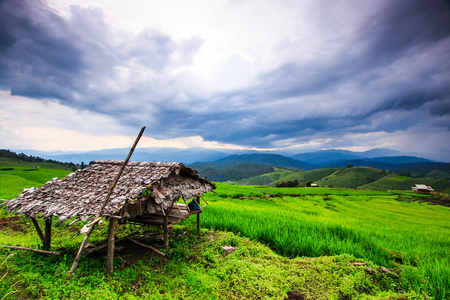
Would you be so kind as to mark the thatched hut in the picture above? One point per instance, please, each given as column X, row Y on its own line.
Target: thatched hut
column 146, row 192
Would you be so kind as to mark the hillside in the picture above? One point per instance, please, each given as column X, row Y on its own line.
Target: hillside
column 12, row 159
column 267, row 159
column 266, row 179
column 405, row 183
column 352, row 177
column 304, row 177
column 14, row 179
column 232, row 173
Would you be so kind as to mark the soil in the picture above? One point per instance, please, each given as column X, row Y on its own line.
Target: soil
column 295, row 296
column 129, row 252
column 12, row 222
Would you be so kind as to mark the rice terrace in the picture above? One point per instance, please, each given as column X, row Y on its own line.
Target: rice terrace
column 255, row 242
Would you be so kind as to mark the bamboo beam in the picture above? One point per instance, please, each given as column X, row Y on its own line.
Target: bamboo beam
column 38, row 229
column 29, row 249
column 110, row 253
column 204, row 200
column 48, row 233
column 100, row 212
column 147, row 246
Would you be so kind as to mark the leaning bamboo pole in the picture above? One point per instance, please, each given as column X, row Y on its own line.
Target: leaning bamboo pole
column 100, row 212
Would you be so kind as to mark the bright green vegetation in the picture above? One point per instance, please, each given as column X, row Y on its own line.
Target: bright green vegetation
column 355, row 177
column 390, row 229
column 12, row 182
column 196, row 267
column 313, row 234
column 268, row 178
column 304, row 177
column 404, row 183
column 352, row 177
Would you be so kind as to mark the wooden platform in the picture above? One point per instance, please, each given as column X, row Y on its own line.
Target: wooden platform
column 176, row 215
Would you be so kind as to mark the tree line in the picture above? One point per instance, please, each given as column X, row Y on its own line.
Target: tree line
column 37, row 159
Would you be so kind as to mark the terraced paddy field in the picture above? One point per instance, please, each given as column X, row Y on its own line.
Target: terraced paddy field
column 302, row 241
column 395, row 229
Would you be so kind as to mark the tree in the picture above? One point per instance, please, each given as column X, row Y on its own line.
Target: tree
column 349, row 166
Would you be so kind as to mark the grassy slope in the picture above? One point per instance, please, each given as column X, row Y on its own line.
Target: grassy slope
column 370, row 225
column 323, row 221
column 19, row 163
column 352, row 177
column 404, row 183
column 12, row 182
column 304, row 177
column 266, row 179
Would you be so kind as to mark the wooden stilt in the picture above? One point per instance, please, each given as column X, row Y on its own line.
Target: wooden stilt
column 198, row 223
column 38, row 229
column 110, row 253
column 166, row 228
column 48, row 233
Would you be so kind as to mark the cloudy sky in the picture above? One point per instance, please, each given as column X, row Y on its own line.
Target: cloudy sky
column 245, row 74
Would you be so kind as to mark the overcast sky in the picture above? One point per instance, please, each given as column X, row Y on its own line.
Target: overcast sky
column 257, row 74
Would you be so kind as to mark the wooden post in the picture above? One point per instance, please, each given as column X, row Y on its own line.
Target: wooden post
column 48, row 233
column 166, row 228
column 110, row 253
column 38, row 229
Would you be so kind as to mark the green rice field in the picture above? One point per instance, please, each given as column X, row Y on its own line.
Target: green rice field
column 397, row 230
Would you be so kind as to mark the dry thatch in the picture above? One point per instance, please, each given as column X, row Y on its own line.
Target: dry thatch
column 144, row 187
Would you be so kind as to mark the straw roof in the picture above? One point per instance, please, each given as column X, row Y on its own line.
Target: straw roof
column 144, row 187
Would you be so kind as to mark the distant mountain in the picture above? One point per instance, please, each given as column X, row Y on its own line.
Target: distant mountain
column 324, row 157
column 267, row 159
column 398, row 159
column 185, row 156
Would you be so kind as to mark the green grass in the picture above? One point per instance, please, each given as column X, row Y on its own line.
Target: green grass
column 196, row 267
column 352, row 177
column 317, row 232
column 8, row 162
column 321, row 221
column 12, row 182
column 268, row 178
column 405, row 183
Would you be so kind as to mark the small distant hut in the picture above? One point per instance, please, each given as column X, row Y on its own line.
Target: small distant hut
column 422, row 189
column 146, row 192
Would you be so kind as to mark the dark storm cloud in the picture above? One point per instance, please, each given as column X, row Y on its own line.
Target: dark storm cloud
column 77, row 61
column 394, row 63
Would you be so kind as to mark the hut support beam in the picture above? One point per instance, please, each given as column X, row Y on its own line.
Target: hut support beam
column 48, row 233
column 198, row 223
column 166, row 228
column 198, row 215
column 38, row 229
column 110, row 253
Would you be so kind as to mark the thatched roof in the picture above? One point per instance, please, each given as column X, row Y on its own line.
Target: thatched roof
column 144, row 187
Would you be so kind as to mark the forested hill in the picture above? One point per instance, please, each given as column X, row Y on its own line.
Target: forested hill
column 267, row 159
column 10, row 158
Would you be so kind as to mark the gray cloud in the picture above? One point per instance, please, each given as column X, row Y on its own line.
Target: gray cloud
column 395, row 63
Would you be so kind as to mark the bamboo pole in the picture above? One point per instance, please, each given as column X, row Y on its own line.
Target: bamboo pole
column 110, row 253
column 38, row 229
column 99, row 214
column 29, row 249
column 204, row 200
